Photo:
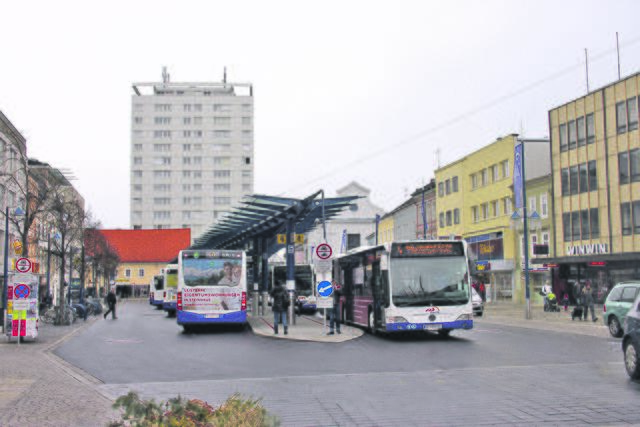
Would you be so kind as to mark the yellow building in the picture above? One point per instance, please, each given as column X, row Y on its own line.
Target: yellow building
column 595, row 152
column 474, row 202
column 385, row 229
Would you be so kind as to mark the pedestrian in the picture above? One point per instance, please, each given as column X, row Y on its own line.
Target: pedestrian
column 334, row 313
column 482, row 291
column 279, row 306
column 546, row 290
column 111, row 301
column 565, row 301
column 587, row 301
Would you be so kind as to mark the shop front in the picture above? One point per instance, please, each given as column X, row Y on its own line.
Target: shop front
column 603, row 270
column 492, row 269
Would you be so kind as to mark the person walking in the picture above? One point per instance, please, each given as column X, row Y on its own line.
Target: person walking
column 111, row 302
column 587, row 301
column 545, row 291
column 334, row 313
column 279, row 306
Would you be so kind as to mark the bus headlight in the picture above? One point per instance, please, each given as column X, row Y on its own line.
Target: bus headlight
column 465, row 317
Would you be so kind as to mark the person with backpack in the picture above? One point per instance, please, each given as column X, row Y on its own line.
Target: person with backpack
column 279, row 306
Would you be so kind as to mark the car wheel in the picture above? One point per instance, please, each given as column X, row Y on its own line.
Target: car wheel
column 372, row 329
column 444, row 332
column 631, row 359
column 614, row 327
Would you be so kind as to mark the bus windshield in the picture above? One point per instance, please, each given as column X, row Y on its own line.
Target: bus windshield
column 423, row 281
column 303, row 278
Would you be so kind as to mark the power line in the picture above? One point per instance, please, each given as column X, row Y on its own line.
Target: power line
column 462, row 116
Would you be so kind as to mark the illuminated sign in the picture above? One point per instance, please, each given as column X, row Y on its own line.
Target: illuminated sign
column 483, row 265
column 426, row 249
column 597, row 264
column 550, row 265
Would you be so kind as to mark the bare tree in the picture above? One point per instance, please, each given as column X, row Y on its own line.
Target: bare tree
column 102, row 258
column 66, row 214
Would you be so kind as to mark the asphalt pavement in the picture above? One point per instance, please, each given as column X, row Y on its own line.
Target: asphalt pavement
column 41, row 389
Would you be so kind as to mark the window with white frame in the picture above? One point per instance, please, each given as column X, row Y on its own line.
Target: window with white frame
column 544, row 205
column 504, row 165
column 223, row 121
column 127, row 272
column 141, row 272
column 474, row 214
column 532, row 204
column 534, row 241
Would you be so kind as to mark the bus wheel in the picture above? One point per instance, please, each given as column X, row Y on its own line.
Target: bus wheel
column 187, row 329
column 372, row 328
column 444, row 332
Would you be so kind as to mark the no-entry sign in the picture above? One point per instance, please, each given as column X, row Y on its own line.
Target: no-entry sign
column 23, row 265
column 324, row 251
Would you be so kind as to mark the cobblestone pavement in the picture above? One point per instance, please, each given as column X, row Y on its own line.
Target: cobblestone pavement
column 39, row 389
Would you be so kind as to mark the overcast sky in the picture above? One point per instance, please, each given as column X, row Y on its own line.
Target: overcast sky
column 344, row 91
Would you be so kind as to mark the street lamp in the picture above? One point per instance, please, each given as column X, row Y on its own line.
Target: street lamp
column 18, row 212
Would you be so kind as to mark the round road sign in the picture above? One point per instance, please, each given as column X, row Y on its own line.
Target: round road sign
column 324, row 251
column 325, row 289
column 21, row 291
column 23, row 265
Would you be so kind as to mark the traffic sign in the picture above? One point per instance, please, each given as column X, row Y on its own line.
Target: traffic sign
column 324, row 302
column 325, row 288
column 23, row 265
column 21, row 291
column 21, row 304
column 324, row 251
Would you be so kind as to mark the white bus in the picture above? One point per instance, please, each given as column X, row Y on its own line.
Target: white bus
column 170, row 289
column 156, row 291
column 212, row 287
column 406, row 286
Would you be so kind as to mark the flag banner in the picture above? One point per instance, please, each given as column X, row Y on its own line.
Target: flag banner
column 343, row 244
column 517, row 176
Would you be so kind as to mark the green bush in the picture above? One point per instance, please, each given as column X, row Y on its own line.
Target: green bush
column 178, row 412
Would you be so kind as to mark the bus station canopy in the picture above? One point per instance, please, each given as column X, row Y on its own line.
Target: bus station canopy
column 261, row 216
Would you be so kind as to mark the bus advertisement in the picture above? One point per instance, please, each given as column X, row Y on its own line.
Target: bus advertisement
column 156, row 291
column 171, row 289
column 212, row 287
column 406, row 286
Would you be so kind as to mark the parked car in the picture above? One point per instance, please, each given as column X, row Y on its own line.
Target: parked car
column 478, row 304
column 617, row 304
column 631, row 340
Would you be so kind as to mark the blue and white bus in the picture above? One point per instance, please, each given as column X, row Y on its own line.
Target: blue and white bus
column 212, row 287
column 156, row 291
column 406, row 286
column 170, row 289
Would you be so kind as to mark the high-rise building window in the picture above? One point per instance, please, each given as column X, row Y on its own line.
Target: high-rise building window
column 447, row 186
column 474, row 214
column 441, row 219
column 621, row 117
column 454, row 184
column 591, row 129
column 222, row 121
column 582, row 132
column 562, row 129
column 441, row 189
column 632, row 114
column 623, row 167
column 456, row 216
column 572, row 134
column 449, row 218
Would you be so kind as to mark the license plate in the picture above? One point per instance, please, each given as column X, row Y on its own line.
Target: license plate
column 212, row 316
column 432, row 327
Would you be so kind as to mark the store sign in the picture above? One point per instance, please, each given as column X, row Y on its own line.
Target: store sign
column 595, row 248
column 483, row 265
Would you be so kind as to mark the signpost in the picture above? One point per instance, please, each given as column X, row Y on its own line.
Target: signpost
column 324, row 251
column 325, row 290
column 23, row 265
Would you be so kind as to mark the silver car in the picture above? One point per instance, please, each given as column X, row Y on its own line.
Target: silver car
column 478, row 304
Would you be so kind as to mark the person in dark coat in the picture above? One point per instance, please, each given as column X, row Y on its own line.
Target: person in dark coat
column 334, row 313
column 111, row 301
column 587, row 301
column 279, row 307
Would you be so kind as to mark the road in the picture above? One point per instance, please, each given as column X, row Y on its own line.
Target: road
column 495, row 374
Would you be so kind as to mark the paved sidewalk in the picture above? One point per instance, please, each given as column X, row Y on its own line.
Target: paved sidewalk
column 39, row 389
column 514, row 314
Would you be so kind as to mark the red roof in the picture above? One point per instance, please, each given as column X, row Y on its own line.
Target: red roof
column 148, row 245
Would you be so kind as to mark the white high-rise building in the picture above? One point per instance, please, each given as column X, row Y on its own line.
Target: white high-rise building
column 192, row 153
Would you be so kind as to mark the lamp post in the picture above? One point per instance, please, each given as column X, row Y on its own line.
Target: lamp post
column 5, row 283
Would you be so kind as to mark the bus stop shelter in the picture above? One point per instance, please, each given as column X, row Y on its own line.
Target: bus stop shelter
column 254, row 226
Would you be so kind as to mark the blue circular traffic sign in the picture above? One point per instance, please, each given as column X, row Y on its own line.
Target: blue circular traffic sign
column 21, row 291
column 325, row 289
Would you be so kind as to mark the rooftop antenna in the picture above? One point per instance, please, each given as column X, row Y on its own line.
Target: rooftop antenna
column 165, row 75
column 224, row 77
column 586, row 66
column 618, row 50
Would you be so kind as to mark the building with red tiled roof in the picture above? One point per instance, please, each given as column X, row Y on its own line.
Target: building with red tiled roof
column 144, row 254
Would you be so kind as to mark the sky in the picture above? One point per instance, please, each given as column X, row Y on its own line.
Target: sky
column 380, row 93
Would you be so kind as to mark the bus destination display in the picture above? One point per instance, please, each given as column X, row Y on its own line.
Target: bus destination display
column 426, row 249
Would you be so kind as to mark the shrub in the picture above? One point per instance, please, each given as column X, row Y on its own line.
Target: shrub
column 179, row 412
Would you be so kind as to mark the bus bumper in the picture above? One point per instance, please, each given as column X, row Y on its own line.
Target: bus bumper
column 157, row 302
column 458, row 324
column 169, row 306
column 203, row 319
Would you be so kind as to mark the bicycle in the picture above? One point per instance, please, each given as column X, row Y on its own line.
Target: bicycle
column 51, row 316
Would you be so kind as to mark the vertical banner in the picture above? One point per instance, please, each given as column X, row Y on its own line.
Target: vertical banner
column 424, row 219
column 517, row 176
column 343, row 243
column 377, row 227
